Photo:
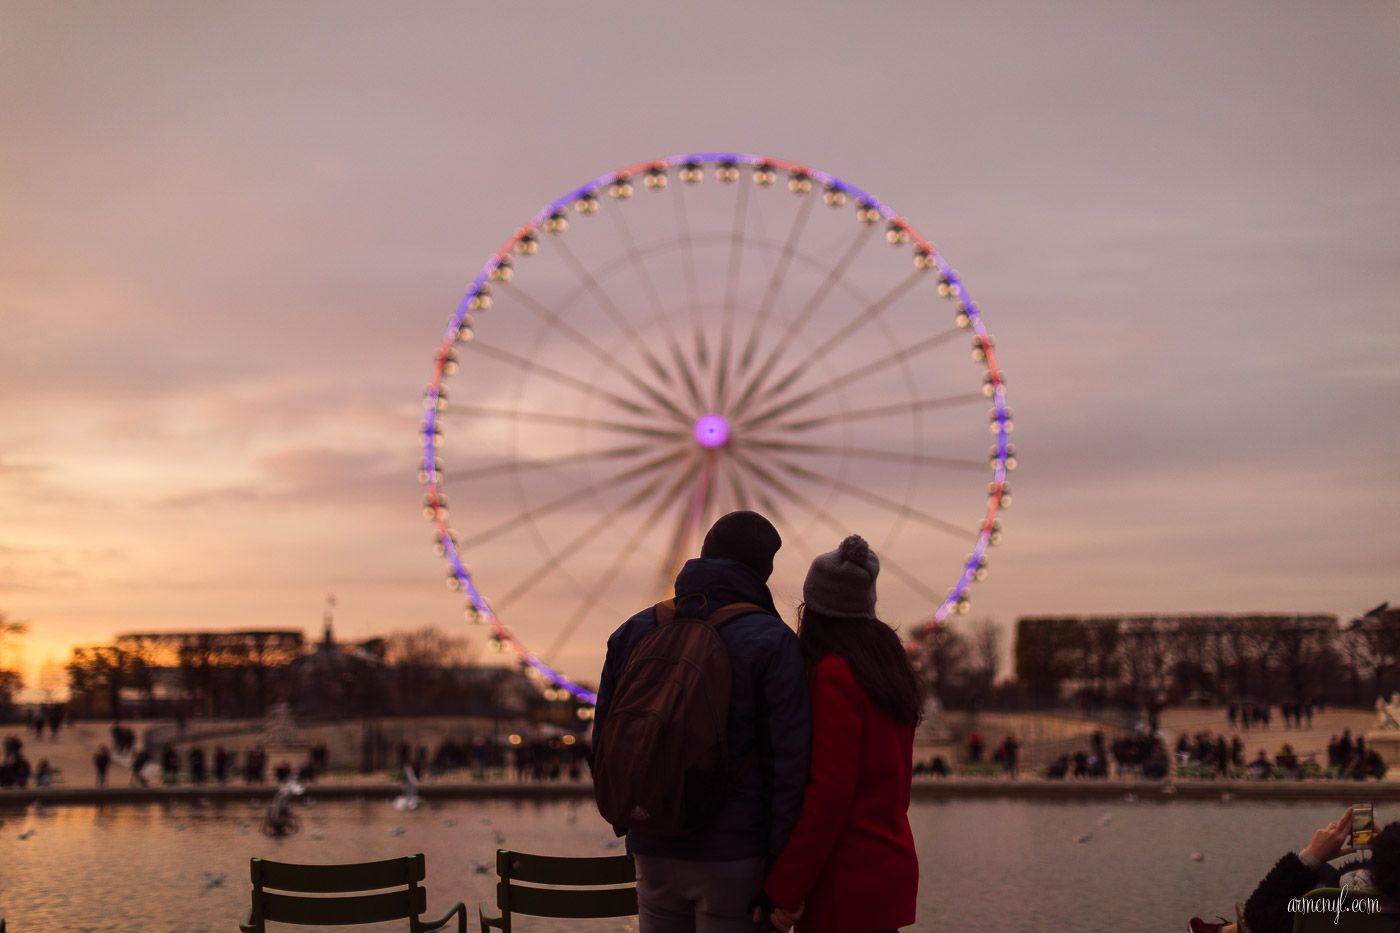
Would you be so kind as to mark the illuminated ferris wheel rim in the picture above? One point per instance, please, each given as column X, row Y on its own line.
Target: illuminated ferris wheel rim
column 528, row 233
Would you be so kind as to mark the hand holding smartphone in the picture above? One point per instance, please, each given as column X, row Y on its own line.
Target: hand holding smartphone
column 1363, row 825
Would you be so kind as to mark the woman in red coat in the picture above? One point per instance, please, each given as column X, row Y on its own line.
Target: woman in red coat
column 850, row 865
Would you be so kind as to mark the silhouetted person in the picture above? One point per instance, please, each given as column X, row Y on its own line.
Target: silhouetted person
column 223, row 761
column 195, row 758
column 101, row 761
column 1010, row 752
column 55, row 716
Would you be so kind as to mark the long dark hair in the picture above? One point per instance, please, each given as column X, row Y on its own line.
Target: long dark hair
column 875, row 655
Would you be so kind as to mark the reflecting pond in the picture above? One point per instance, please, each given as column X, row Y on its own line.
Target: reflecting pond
column 991, row 865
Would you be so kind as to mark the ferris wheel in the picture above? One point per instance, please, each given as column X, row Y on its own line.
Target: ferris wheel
column 697, row 334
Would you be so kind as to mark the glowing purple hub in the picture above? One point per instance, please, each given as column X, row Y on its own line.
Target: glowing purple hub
column 711, row 431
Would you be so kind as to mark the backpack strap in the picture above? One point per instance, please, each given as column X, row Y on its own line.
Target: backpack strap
column 726, row 614
column 669, row 609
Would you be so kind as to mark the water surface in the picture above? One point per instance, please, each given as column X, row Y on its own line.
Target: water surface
column 988, row 865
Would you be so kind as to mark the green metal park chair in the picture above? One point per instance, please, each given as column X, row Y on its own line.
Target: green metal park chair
column 353, row 906
column 551, row 886
column 1347, row 921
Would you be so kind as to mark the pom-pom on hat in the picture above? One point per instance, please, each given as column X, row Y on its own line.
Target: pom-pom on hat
column 746, row 537
column 841, row 583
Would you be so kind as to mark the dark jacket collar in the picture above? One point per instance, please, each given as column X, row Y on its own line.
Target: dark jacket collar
column 722, row 581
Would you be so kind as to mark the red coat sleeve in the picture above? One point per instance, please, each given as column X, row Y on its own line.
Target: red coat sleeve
column 837, row 720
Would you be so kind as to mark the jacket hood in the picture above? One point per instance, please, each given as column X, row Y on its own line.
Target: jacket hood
column 723, row 581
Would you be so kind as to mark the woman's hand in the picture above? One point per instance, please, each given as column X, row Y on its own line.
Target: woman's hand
column 779, row 919
column 782, row 920
column 1329, row 842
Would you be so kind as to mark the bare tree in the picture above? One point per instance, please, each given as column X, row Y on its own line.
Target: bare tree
column 10, row 680
column 941, row 658
column 423, row 663
column 51, row 678
column 986, row 652
column 428, row 647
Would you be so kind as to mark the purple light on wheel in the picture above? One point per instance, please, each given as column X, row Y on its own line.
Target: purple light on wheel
column 711, row 431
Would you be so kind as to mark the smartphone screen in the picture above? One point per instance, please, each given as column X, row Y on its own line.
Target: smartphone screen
column 1362, row 825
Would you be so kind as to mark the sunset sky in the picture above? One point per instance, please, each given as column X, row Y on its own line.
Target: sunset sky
column 231, row 237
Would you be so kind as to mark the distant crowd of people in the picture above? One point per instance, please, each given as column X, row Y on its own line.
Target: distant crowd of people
column 538, row 760
column 199, row 767
column 1247, row 714
column 1139, row 754
column 1354, row 759
column 53, row 715
column 1007, row 754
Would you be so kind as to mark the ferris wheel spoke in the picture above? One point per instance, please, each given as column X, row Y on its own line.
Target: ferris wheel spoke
column 634, row 255
column 691, row 286
column 614, row 314
column 638, row 262
column 833, row 275
column 663, row 505
column 735, row 475
column 874, row 498
column 910, row 580
column 587, row 388
column 731, row 288
column 688, row 377
column 830, row 521
column 775, row 282
column 867, row 453
column 558, row 557
column 845, row 379
column 530, row 515
column 856, row 323
column 899, row 356
column 697, row 479
column 488, row 411
column 876, row 411
column 736, row 252
column 602, row 355
column 515, row 466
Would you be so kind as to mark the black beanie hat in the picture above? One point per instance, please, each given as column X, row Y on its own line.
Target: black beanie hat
column 746, row 537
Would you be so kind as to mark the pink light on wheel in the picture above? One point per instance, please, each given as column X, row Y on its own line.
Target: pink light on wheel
column 711, row 431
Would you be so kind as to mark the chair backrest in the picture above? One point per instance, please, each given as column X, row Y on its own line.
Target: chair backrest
column 574, row 888
column 405, row 873
column 1321, row 913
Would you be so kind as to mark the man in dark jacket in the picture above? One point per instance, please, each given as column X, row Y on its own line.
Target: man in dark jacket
column 712, row 875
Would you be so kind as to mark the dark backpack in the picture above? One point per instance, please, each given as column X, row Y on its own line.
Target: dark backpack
column 660, row 764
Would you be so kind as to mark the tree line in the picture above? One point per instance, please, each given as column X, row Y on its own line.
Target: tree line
column 239, row 674
column 1212, row 658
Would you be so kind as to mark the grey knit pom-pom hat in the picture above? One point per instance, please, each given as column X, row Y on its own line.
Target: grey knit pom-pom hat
column 841, row 583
